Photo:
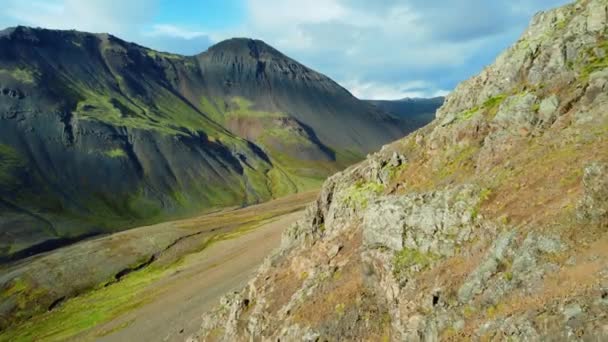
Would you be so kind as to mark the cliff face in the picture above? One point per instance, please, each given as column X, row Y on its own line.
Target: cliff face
column 97, row 134
column 490, row 223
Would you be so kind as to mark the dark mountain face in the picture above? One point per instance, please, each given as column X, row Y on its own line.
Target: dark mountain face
column 275, row 83
column 98, row 134
column 413, row 112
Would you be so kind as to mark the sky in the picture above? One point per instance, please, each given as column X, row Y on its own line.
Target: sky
column 377, row 49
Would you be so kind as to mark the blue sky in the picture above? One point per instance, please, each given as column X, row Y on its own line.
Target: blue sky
column 381, row 49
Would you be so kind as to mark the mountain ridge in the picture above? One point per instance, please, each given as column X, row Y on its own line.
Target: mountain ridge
column 167, row 134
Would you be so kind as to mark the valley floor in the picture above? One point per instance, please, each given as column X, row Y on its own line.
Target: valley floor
column 195, row 287
column 164, row 301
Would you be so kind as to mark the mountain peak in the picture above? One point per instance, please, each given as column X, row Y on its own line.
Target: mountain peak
column 245, row 47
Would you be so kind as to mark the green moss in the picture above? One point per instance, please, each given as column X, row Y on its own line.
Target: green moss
column 536, row 107
column 116, row 153
column 407, row 258
column 281, row 183
column 492, row 105
column 104, row 303
column 466, row 115
column 168, row 114
column 17, row 285
column 22, row 75
column 81, row 313
column 484, row 196
column 593, row 61
column 489, row 108
column 457, row 162
column 157, row 54
column 394, row 171
column 286, row 137
column 212, row 108
column 340, row 308
column 241, row 107
column 359, row 194
column 469, row 311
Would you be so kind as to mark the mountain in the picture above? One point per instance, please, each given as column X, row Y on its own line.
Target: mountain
column 98, row 134
column 491, row 223
column 413, row 112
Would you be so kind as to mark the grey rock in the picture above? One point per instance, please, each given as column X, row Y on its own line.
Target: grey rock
column 397, row 160
column 383, row 226
column 548, row 110
column 594, row 205
column 596, row 21
column 572, row 311
column 432, row 222
column 516, row 113
column 475, row 283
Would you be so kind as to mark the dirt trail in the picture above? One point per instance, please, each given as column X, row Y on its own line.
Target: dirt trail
column 195, row 287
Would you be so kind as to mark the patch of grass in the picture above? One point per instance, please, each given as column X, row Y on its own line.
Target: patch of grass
column 105, row 303
column 340, row 307
column 493, row 311
column 11, row 163
column 281, row 183
column 469, row 312
column 359, row 194
column 572, row 178
column 492, row 105
column 212, row 108
column 484, row 195
column 86, row 311
column 158, row 54
column 467, row 114
column 243, row 108
column 167, row 114
column 22, row 75
column 18, row 285
column 489, row 108
column 116, row 153
column 592, row 61
column 459, row 162
column 24, row 291
column 394, row 171
column 406, row 258
column 286, row 136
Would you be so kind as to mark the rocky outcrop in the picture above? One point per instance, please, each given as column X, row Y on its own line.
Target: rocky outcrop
column 594, row 207
column 489, row 224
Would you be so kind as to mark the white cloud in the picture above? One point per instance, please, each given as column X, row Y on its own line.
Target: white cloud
column 119, row 17
column 174, row 31
column 380, row 91
column 383, row 45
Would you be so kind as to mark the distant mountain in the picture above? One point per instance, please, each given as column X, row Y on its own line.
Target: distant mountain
column 414, row 112
column 98, row 134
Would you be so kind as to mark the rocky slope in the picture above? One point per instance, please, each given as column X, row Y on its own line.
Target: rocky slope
column 489, row 224
column 98, row 134
column 414, row 112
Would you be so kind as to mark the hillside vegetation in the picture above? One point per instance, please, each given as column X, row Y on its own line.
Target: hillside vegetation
column 98, row 134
